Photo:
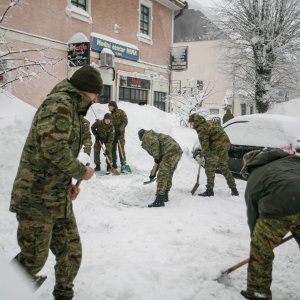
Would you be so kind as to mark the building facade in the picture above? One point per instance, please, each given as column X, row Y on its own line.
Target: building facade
column 128, row 40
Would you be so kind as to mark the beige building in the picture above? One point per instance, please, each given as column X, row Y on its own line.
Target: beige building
column 205, row 65
column 128, row 40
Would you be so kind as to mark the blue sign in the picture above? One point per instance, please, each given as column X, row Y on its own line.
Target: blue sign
column 117, row 48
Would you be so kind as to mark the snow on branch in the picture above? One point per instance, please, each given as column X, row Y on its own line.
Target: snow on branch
column 185, row 101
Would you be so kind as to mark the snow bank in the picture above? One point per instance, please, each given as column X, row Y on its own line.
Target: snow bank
column 131, row 252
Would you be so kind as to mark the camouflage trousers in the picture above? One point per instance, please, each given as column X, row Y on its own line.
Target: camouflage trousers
column 97, row 152
column 218, row 159
column 37, row 235
column 114, row 151
column 268, row 234
column 166, row 170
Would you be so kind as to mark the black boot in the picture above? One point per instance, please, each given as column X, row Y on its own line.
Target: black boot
column 207, row 193
column 166, row 196
column 234, row 192
column 108, row 170
column 159, row 201
column 97, row 168
column 114, row 165
column 254, row 296
column 58, row 297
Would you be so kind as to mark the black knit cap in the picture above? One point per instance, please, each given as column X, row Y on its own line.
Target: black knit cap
column 141, row 133
column 87, row 79
column 113, row 104
column 107, row 116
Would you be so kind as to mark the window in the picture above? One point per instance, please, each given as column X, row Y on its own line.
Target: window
column 251, row 109
column 145, row 21
column 106, row 95
column 79, row 9
column 79, row 3
column 243, row 109
column 138, row 96
column 159, row 100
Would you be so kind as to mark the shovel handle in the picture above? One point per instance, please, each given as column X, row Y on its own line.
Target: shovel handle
column 245, row 261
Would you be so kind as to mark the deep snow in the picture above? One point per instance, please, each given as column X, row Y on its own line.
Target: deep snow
column 131, row 252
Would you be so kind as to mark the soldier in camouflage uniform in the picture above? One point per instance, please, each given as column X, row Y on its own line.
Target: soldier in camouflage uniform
column 166, row 153
column 214, row 146
column 119, row 121
column 43, row 191
column 273, row 207
column 86, row 136
column 104, row 133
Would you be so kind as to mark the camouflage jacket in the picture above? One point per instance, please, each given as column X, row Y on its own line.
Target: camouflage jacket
column 103, row 132
column 86, row 136
column 48, row 161
column 211, row 135
column 159, row 145
column 119, row 121
column 273, row 188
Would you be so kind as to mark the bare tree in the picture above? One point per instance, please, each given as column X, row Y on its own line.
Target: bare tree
column 22, row 64
column 263, row 46
column 186, row 101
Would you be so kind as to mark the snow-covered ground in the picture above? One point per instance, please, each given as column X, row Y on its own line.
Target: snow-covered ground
column 131, row 252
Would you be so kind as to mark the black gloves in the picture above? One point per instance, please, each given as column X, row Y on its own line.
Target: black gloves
column 151, row 177
column 157, row 161
column 196, row 153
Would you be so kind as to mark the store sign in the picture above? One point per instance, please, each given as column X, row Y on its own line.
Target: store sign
column 133, row 82
column 79, row 54
column 117, row 47
column 179, row 58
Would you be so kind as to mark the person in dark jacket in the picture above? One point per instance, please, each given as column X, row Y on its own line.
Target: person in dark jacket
column 215, row 144
column 166, row 153
column 273, row 208
column 227, row 116
column 43, row 191
column 104, row 133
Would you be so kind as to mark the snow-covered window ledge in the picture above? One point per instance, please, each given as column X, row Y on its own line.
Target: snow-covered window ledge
column 79, row 13
column 145, row 38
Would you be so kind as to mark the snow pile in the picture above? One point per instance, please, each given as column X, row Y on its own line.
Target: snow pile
column 131, row 252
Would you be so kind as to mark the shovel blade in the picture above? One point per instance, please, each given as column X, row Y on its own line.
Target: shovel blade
column 115, row 171
column 194, row 189
column 127, row 169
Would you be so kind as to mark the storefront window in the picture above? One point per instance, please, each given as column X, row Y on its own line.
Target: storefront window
column 159, row 100
column 106, row 95
column 132, row 95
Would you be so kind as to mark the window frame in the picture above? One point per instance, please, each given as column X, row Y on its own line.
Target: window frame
column 79, row 13
column 159, row 100
column 147, row 38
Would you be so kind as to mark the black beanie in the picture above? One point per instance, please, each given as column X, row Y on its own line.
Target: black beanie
column 141, row 133
column 107, row 116
column 87, row 79
column 113, row 104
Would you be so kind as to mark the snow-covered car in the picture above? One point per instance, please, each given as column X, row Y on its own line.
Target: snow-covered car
column 259, row 131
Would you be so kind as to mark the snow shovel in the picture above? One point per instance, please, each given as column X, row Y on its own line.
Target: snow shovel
column 113, row 170
column 153, row 173
column 125, row 168
column 194, row 189
column 224, row 274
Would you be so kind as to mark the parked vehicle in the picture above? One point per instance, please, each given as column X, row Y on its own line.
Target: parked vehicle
column 259, row 131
